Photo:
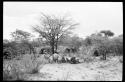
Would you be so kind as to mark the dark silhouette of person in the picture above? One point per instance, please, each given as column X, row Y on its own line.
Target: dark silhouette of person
column 73, row 60
column 73, row 50
column 96, row 53
column 6, row 55
column 67, row 50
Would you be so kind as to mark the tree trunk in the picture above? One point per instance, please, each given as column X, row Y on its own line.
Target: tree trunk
column 30, row 50
column 104, row 56
column 52, row 45
column 56, row 45
column 53, row 48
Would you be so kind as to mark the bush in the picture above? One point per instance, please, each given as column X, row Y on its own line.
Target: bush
column 88, row 59
column 121, row 59
column 30, row 63
column 115, row 46
column 14, row 49
column 103, row 45
column 11, row 71
column 15, row 69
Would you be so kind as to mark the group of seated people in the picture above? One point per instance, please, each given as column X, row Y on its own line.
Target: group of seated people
column 57, row 58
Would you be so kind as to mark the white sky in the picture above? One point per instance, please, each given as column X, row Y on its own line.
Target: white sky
column 92, row 16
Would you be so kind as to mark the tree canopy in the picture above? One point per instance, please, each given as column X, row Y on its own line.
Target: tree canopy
column 53, row 28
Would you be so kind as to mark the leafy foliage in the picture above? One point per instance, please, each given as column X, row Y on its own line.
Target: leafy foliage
column 107, row 33
column 103, row 45
column 20, row 35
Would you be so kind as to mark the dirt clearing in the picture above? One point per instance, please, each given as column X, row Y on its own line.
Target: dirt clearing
column 96, row 71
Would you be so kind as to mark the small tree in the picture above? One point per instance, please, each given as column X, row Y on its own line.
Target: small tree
column 53, row 28
column 20, row 35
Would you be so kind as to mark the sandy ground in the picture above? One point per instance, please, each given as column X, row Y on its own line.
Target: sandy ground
column 96, row 71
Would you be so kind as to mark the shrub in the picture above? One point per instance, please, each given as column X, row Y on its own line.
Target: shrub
column 121, row 59
column 88, row 59
column 11, row 72
column 15, row 69
column 115, row 46
column 103, row 45
column 30, row 64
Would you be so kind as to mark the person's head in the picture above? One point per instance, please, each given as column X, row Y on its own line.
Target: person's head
column 56, row 52
column 45, row 51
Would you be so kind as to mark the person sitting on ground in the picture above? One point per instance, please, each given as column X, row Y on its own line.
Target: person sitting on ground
column 68, row 59
column 63, row 59
column 96, row 53
column 73, row 60
column 59, row 59
column 55, row 57
column 77, row 60
column 51, row 59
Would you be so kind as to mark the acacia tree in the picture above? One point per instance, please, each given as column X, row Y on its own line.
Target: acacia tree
column 23, row 37
column 121, row 35
column 20, row 35
column 107, row 33
column 52, row 28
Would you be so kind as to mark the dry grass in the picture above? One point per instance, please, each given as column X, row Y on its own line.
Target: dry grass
column 100, row 77
column 15, row 69
column 121, row 59
column 65, row 77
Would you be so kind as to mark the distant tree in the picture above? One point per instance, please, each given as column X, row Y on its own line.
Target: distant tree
column 121, row 35
column 20, row 35
column 5, row 41
column 93, row 39
column 52, row 28
column 65, row 41
column 75, row 42
column 97, row 34
column 36, row 42
column 107, row 33
column 23, row 38
column 88, row 41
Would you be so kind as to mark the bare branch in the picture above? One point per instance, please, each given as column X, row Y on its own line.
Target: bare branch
column 53, row 28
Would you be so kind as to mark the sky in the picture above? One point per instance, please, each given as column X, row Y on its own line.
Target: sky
column 91, row 16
